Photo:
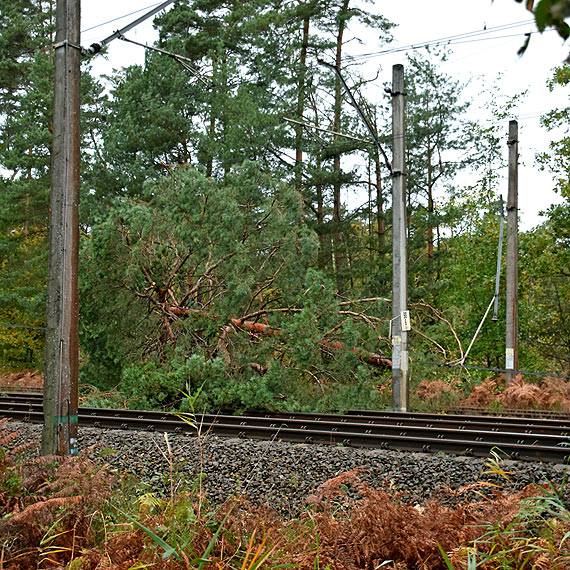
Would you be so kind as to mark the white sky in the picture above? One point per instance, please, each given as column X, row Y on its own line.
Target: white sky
column 419, row 21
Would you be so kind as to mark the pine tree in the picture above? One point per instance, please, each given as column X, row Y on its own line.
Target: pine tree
column 26, row 77
column 437, row 146
column 548, row 256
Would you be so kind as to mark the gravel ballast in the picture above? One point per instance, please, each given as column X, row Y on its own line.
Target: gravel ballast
column 283, row 475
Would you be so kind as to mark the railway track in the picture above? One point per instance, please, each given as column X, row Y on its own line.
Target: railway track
column 529, row 438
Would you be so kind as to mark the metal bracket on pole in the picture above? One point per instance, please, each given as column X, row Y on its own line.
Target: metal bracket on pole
column 390, row 325
column 66, row 43
column 405, row 323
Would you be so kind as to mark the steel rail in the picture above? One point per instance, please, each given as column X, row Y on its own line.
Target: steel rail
column 526, row 432
column 504, row 415
column 492, row 423
column 356, row 431
column 546, row 414
column 486, row 422
column 453, row 421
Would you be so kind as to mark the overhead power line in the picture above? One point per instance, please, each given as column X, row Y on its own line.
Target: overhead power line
column 182, row 60
column 466, row 37
column 307, row 126
column 365, row 120
column 98, row 46
column 119, row 18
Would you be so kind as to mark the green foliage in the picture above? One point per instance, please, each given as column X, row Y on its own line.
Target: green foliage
column 471, row 282
column 11, row 482
column 190, row 260
column 26, row 95
column 26, row 77
column 217, row 245
column 151, row 385
column 557, row 160
column 549, row 14
column 546, row 288
column 91, row 397
column 229, row 243
column 22, row 301
column 552, row 13
column 436, row 109
column 168, row 549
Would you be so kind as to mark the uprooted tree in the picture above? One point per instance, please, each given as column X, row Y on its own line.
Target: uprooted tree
column 222, row 270
column 200, row 271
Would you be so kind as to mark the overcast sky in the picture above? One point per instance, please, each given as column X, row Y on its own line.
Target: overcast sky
column 478, row 59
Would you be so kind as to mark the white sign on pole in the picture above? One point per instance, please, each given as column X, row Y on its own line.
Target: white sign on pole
column 509, row 358
column 405, row 321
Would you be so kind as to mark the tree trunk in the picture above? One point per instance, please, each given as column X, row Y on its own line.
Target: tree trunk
column 212, row 132
column 380, row 222
column 324, row 257
column 301, row 106
column 325, row 253
column 339, row 255
column 430, row 210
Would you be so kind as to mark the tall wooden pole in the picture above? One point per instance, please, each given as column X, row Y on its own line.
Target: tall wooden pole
column 400, row 389
column 512, row 318
column 62, row 346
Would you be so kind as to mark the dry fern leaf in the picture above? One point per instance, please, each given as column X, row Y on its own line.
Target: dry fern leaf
column 49, row 460
column 33, row 511
column 23, row 447
column 7, row 438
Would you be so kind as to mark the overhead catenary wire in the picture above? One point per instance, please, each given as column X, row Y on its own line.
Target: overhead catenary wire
column 466, row 37
column 490, row 369
column 44, row 45
column 436, row 41
column 306, row 125
column 182, row 60
column 360, row 112
column 120, row 17
column 98, row 46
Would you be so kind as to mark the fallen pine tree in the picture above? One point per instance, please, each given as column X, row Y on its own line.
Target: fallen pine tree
column 254, row 327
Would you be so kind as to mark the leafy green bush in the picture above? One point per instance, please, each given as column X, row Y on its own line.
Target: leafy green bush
column 153, row 384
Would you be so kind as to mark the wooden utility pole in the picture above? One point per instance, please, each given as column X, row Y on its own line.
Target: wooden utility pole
column 400, row 389
column 512, row 344
column 62, row 345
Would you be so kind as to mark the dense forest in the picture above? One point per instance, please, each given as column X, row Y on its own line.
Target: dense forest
column 234, row 243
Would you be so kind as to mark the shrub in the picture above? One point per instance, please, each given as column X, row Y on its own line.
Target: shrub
column 46, row 506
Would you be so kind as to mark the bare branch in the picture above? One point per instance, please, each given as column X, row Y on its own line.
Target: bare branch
column 262, row 312
column 441, row 318
column 367, row 300
column 441, row 349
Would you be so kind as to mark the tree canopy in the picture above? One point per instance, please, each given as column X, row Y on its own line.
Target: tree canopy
column 236, row 223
